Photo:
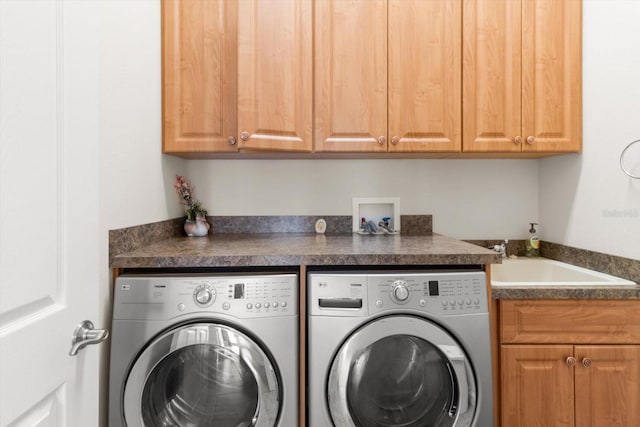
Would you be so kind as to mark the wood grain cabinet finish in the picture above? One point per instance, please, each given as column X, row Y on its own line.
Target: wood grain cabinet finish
column 473, row 77
column 537, row 386
column 608, row 391
column 199, row 72
column 237, row 76
column 351, row 75
column 522, row 85
column 570, row 321
column 387, row 76
column 570, row 363
column 425, row 71
column 275, row 75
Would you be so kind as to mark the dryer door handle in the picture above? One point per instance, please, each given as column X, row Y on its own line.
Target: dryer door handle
column 85, row 335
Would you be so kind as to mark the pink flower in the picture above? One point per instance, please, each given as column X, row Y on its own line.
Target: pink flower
column 185, row 191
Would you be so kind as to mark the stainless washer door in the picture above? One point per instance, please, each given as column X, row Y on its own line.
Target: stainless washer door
column 202, row 375
column 401, row 371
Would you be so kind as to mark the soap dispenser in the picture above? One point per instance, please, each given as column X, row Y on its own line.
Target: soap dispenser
column 533, row 242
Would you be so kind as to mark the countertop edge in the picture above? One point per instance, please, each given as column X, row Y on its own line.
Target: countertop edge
column 127, row 261
column 600, row 292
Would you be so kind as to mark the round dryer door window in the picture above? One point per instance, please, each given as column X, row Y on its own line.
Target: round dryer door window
column 202, row 375
column 401, row 371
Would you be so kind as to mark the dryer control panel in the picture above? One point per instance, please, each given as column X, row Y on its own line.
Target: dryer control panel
column 356, row 294
column 159, row 297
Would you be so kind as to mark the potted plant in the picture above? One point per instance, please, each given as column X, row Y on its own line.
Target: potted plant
column 196, row 222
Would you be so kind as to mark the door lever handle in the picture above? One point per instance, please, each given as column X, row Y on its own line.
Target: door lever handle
column 85, row 335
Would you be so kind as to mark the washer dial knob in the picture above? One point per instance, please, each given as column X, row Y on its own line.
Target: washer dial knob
column 400, row 291
column 204, row 295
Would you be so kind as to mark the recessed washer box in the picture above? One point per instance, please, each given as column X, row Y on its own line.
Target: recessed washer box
column 374, row 209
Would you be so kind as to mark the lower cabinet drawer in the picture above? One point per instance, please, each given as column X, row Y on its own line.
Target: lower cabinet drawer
column 570, row 321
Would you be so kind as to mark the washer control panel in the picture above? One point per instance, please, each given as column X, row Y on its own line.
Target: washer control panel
column 242, row 296
column 437, row 292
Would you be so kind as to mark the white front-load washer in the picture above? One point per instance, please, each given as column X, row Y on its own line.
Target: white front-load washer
column 194, row 350
column 399, row 348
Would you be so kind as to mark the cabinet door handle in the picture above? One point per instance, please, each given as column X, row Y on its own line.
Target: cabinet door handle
column 531, row 139
column 517, row 140
column 586, row 362
column 232, row 140
column 395, row 140
column 382, row 140
column 244, row 135
column 571, row 361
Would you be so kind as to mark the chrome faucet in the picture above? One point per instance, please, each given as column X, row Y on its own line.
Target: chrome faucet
column 501, row 248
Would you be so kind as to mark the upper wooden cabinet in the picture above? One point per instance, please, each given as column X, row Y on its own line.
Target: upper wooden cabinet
column 236, row 76
column 199, row 72
column 351, row 75
column 425, row 75
column 408, row 101
column 274, row 75
column 436, row 78
column 522, row 85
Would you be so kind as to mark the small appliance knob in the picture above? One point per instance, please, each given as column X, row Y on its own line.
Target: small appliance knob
column 204, row 295
column 400, row 290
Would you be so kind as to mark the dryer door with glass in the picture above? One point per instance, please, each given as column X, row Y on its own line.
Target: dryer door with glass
column 202, row 374
column 401, row 371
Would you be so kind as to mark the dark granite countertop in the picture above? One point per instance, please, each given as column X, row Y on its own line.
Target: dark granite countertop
column 286, row 241
column 560, row 292
column 290, row 249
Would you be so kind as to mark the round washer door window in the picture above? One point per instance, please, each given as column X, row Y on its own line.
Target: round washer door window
column 401, row 371
column 202, row 375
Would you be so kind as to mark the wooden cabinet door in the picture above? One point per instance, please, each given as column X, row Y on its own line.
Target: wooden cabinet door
column 551, row 75
column 522, row 75
column 199, row 67
column 608, row 391
column 491, row 75
column 275, row 75
column 351, row 75
column 537, row 386
column 424, row 75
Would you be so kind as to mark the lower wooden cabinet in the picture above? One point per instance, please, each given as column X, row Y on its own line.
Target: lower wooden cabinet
column 537, row 386
column 560, row 385
column 608, row 390
column 569, row 378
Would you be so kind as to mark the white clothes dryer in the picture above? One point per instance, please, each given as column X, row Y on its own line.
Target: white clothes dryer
column 204, row 350
column 399, row 348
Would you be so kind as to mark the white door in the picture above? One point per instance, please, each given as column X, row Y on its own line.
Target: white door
column 49, row 67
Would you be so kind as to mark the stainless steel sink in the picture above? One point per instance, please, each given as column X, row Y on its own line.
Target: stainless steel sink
column 543, row 272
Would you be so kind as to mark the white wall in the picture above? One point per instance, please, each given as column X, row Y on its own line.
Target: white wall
column 586, row 201
column 136, row 181
column 470, row 199
column 136, row 184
